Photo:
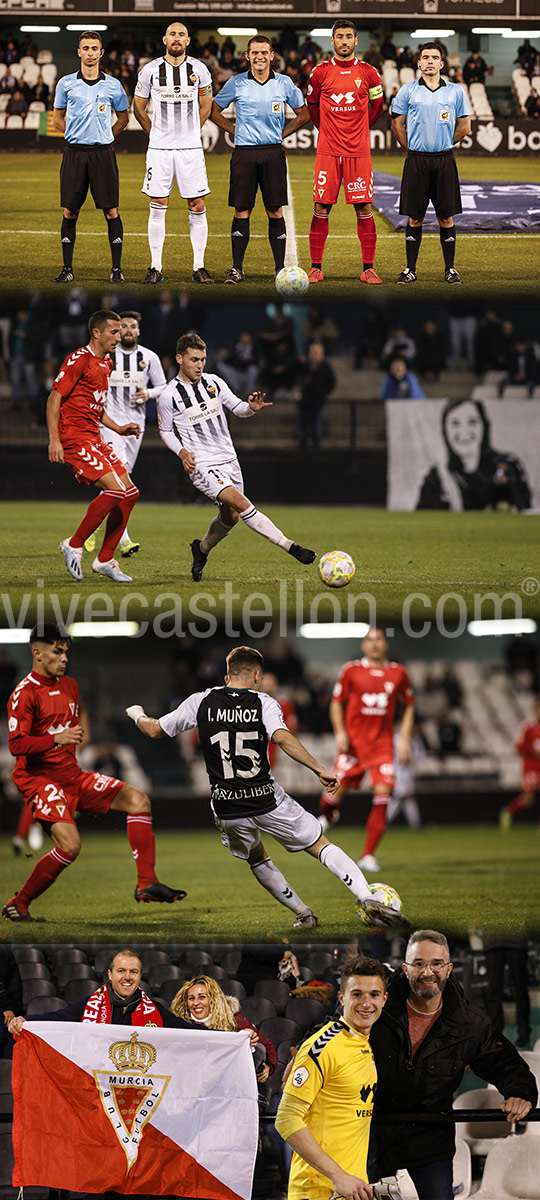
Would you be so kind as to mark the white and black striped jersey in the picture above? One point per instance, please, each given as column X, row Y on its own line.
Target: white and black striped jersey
column 235, row 726
column 133, row 369
column 191, row 417
column 175, row 101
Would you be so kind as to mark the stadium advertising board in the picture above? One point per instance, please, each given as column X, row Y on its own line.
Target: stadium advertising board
column 297, row 8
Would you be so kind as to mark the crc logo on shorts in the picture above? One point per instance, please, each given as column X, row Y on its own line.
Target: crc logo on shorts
column 300, row 1076
column 276, row 106
column 358, row 185
column 102, row 106
column 444, row 114
column 12, row 724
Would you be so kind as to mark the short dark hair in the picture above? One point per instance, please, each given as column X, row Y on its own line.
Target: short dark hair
column 189, row 341
column 427, row 935
column 357, row 964
column 49, row 633
column 130, row 954
column 100, row 319
column 91, row 33
column 343, row 23
column 135, row 316
column 431, row 46
column 258, row 37
column 244, row 658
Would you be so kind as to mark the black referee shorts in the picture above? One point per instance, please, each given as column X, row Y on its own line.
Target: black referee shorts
column 263, row 167
column 428, row 177
column 91, row 167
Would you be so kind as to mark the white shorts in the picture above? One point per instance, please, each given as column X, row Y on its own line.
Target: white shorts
column 212, row 479
column 127, row 448
column 289, row 824
column 187, row 166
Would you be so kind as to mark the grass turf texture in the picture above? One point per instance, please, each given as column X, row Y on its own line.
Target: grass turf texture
column 454, row 878
column 457, row 555
column 30, row 224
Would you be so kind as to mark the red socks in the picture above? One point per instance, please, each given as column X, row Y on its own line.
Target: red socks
column 25, row 821
column 117, row 521
column 516, row 805
column 141, row 839
column 368, row 238
column 318, row 234
column 47, row 870
column 376, row 824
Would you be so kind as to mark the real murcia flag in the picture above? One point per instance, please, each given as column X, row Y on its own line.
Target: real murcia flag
column 112, row 1108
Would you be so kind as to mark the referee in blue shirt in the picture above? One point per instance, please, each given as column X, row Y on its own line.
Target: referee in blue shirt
column 258, row 158
column 84, row 104
column 429, row 117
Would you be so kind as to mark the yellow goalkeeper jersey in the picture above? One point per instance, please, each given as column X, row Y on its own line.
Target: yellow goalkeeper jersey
column 332, row 1087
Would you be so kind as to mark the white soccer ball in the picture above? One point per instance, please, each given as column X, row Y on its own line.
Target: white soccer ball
column 292, row 281
column 336, row 568
column 385, row 895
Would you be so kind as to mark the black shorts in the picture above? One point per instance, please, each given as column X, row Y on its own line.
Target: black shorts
column 91, row 167
column 258, row 166
column 430, row 177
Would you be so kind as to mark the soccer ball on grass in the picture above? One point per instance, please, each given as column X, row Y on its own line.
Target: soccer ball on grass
column 385, row 895
column 292, row 281
column 336, row 568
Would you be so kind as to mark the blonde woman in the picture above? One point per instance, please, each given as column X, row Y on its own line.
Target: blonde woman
column 202, row 1002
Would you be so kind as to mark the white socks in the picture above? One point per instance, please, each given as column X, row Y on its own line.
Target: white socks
column 267, row 874
column 346, row 870
column 198, row 232
column 215, row 533
column 256, row 520
column 156, row 232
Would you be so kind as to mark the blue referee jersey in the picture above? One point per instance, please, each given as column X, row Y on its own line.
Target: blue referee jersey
column 431, row 116
column 260, row 107
column 89, row 106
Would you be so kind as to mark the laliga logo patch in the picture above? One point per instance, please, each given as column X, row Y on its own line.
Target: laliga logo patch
column 300, row 1076
column 130, row 1093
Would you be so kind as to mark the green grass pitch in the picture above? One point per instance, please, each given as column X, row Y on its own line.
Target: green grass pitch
column 427, row 555
column 455, row 878
column 30, row 222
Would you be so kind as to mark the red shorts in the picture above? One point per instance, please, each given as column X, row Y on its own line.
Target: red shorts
column 50, row 802
column 89, row 460
column 530, row 776
column 350, row 771
column 356, row 173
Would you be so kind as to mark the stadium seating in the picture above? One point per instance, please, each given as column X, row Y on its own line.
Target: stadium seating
column 478, row 1136
column 27, row 954
column 390, row 77
column 306, row 1011
column 43, row 1004
column 257, row 1009
column 44, row 56
column 406, row 75
column 37, row 987
column 274, row 990
column 69, row 971
column 79, row 989
column 6, row 1094
column 462, row 1172
column 512, row 1171
column 279, row 1029
column 481, row 107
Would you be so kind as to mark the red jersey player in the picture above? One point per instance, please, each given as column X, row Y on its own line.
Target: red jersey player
column 75, row 408
column 528, row 747
column 362, row 711
column 344, row 98
column 44, row 730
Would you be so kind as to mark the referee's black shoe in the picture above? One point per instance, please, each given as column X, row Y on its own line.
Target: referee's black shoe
column 301, row 554
column 452, row 276
column 199, row 561
column 153, row 276
column 201, row 275
column 66, row 276
column 407, row 276
column 116, row 276
column 234, row 276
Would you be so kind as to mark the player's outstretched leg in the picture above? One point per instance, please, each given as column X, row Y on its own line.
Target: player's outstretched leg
column 265, row 527
column 349, row 873
column 141, row 839
column 105, row 563
column 67, row 845
column 97, row 510
column 267, row 874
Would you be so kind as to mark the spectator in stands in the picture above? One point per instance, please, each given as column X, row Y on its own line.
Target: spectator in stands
column 372, row 337
column 210, row 60
column 534, row 70
column 449, row 733
column 475, row 475
column 406, row 58
column 373, row 57
column 400, row 384
column 11, row 52
column 227, row 67
column 509, row 951
column 201, row 1001
column 526, row 55
column 488, row 342
column 522, row 365
column 532, row 106
column 8, row 82
column 427, row 1011
column 10, row 997
column 431, row 350
column 475, row 69
column 17, row 104
column 40, row 91
column 319, row 327
column 398, row 345
column 241, row 368
column 388, row 50
column 25, row 349
column 317, row 380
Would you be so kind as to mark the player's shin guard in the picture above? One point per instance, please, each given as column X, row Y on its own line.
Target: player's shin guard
column 95, row 514
column 277, row 236
column 116, row 238
column 368, row 238
column 217, row 530
column 413, row 237
column 198, row 232
column 156, row 232
column 266, row 873
column 68, row 233
column 328, row 806
column 260, row 524
column 448, row 243
column 376, row 824
column 318, row 234
column 345, row 869
column 117, row 521
column 141, row 839
column 44, row 874
column 239, row 240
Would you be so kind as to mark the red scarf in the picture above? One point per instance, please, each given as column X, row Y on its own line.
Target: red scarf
column 99, row 1009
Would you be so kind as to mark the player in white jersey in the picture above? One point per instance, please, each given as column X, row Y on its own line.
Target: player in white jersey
column 193, row 425
column 181, row 93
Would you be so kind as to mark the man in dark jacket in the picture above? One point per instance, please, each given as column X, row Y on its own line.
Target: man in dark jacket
column 426, row 1036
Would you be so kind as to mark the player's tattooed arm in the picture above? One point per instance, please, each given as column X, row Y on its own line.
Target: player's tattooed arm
column 294, row 748
column 219, row 119
column 147, row 725
column 399, row 130
column 56, row 450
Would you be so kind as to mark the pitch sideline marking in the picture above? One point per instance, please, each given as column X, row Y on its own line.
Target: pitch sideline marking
column 343, row 237
column 291, row 253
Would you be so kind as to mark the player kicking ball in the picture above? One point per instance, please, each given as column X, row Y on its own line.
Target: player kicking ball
column 44, row 730
column 193, row 425
column 344, row 98
column 236, row 723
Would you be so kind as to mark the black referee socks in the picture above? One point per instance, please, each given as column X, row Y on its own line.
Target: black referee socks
column 67, row 234
column 277, row 236
column 413, row 237
column 448, row 243
column 239, row 240
column 116, row 237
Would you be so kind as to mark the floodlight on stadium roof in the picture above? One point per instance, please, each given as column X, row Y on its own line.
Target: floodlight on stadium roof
column 495, row 628
column 39, row 28
column 433, row 33
column 521, row 33
column 102, row 629
column 336, row 629
column 14, row 637
column 84, row 28
column 237, row 30
column 320, row 33
column 491, row 29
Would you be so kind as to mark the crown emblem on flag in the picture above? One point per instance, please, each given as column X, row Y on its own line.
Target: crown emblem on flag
column 132, row 1055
